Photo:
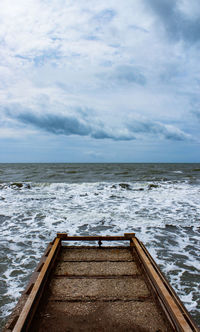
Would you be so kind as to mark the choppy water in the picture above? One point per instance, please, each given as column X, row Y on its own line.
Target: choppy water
column 160, row 202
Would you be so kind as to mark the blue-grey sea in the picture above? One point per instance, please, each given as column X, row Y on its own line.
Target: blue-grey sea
column 160, row 202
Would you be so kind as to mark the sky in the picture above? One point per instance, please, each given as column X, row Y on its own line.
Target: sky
column 100, row 81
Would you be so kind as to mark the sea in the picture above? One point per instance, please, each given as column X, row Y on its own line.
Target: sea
column 159, row 202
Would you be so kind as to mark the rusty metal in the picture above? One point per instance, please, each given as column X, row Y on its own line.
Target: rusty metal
column 30, row 303
column 129, row 236
column 65, row 237
column 62, row 235
column 99, row 243
column 168, row 286
column 176, row 313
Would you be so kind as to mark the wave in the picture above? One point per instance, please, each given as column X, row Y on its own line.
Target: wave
column 164, row 215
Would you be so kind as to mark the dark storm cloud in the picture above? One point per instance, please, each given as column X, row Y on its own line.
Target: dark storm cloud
column 157, row 129
column 55, row 124
column 102, row 134
column 177, row 25
column 66, row 125
column 76, row 125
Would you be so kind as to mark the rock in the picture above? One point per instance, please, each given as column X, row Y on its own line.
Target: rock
column 125, row 186
column 152, row 185
column 17, row 184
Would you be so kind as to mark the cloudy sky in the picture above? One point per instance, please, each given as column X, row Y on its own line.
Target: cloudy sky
column 100, row 81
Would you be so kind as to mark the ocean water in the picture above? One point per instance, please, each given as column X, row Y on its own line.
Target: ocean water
column 160, row 202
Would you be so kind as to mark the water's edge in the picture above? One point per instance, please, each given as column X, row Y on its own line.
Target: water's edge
column 160, row 202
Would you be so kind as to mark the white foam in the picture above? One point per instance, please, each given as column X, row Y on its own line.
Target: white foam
column 164, row 215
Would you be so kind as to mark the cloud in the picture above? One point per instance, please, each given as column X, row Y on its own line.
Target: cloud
column 178, row 25
column 124, row 75
column 157, row 129
column 128, row 74
column 196, row 113
column 71, row 125
column 100, row 70
column 82, row 125
column 112, row 134
column 104, row 16
column 56, row 124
